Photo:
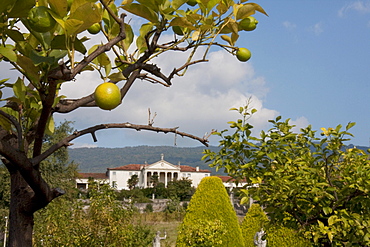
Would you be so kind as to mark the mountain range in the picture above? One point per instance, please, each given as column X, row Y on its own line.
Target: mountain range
column 99, row 159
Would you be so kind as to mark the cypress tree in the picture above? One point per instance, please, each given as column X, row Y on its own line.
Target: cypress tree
column 210, row 218
column 254, row 220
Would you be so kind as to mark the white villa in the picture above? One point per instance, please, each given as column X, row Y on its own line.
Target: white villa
column 165, row 171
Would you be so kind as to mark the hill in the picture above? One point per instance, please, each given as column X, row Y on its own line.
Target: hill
column 99, row 159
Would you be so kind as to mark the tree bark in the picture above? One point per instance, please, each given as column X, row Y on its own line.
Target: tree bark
column 21, row 221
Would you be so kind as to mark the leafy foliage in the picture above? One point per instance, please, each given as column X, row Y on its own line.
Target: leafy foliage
column 283, row 236
column 103, row 222
column 210, row 210
column 316, row 185
column 276, row 235
column 44, row 42
column 180, row 189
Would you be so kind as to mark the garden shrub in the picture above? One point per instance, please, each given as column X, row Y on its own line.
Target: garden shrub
column 210, row 210
column 279, row 236
column 253, row 221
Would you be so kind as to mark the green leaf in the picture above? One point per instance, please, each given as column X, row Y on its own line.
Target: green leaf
column 6, row 5
column 245, row 11
column 38, row 59
column 14, row 35
column 19, row 89
column 50, row 126
column 176, row 4
column 350, row 125
column 29, row 68
column 8, row 52
column 142, row 11
column 116, row 77
column 82, row 18
column 60, row 7
column 227, row 39
column 59, row 43
column 21, row 8
column 327, row 210
column 151, row 4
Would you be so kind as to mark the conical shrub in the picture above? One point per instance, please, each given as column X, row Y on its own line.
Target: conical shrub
column 210, row 218
column 253, row 221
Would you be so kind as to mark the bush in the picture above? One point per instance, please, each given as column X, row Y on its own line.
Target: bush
column 278, row 236
column 210, row 210
column 253, row 221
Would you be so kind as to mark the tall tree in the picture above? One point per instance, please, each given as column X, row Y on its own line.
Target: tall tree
column 132, row 182
column 42, row 41
column 316, row 185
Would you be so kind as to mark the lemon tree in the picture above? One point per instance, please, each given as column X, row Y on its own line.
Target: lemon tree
column 44, row 41
column 312, row 183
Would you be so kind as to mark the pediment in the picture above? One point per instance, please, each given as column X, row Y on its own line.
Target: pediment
column 162, row 165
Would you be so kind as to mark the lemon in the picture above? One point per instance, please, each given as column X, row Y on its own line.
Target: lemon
column 107, row 96
column 192, row 2
column 94, row 28
column 40, row 20
column 248, row 24
column 243, row 54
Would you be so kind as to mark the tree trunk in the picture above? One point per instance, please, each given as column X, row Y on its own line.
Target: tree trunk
column 20, row 220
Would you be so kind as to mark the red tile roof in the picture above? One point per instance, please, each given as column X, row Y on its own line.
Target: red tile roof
column 191, row 169
column 93, row 175
column 229, row 179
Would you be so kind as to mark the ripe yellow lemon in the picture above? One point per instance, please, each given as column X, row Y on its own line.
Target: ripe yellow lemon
column 94, row 28
column 40, row 20
column 243, row 54
column 248, row 24
column 107, row 96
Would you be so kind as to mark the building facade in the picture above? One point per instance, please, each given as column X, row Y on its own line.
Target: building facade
column 162, row 170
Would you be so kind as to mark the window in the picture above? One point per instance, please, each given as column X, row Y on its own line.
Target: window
column 206, row 175
column 130, row 174
column 189, row 175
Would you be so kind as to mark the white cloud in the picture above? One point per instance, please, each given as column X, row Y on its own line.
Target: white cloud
column 299, row 123
column 358, row 6
column 317, row 29
column 198, row 102
column 289, row 25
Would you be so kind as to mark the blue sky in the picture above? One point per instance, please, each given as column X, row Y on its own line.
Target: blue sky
column 314, row 56
column 310, row 63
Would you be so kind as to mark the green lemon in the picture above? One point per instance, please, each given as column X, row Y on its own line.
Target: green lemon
column 243, row 54
column 107, row 96
column 40, row 20
column 94, row 28
column 248, row 24
column 192, row 2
